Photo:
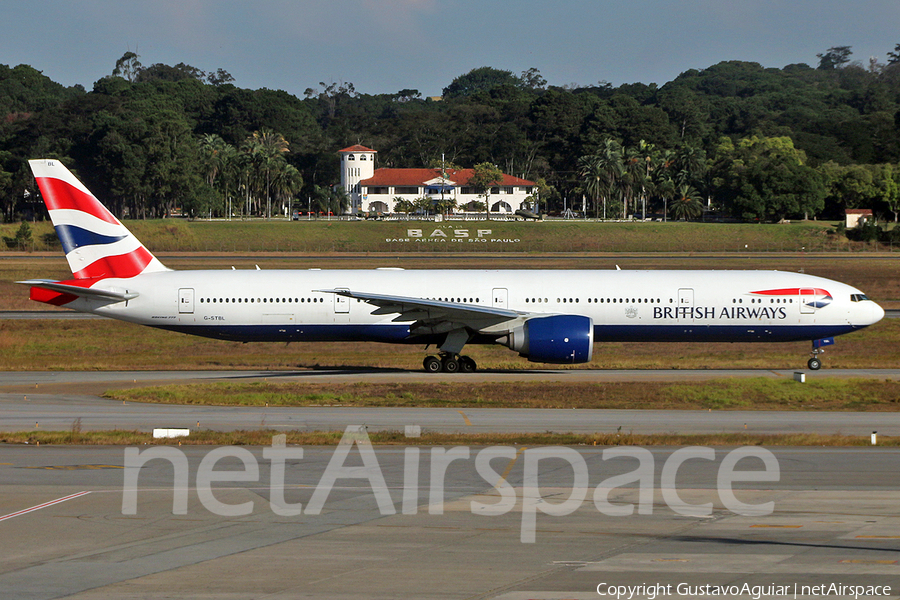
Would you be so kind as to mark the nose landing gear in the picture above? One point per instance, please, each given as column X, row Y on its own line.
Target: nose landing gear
column 818, row 347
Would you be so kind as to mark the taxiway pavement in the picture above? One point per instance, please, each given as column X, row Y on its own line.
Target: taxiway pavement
column 67, row 532
column 55, row 400
column 833, row 522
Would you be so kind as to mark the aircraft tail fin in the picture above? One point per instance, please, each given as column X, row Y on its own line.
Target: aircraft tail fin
column 96, row 243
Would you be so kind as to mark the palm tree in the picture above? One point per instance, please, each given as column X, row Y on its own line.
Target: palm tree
column 603, row 172
column 286, row 182
column 664, row 179
column 211, row 152
column 687, row 203
column 331, row 199
column 219, row 159
column 665, row 189
column 645, row 161
column 592, row 174
column 229, row 176
column 266, row 149
column 402, row 205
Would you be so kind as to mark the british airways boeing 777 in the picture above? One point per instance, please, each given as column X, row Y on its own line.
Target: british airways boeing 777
column 550, row 317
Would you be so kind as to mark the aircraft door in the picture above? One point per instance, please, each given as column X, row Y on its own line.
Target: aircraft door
column 500, row 298
column 341, row 303
column 807, row 298
column 186, row 301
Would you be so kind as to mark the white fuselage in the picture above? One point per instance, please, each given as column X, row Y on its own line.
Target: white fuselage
column 282, row 305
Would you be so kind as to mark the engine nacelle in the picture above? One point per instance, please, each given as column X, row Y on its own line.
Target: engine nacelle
column 557, row 339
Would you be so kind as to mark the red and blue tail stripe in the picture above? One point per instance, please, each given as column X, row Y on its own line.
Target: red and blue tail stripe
column 96, row 243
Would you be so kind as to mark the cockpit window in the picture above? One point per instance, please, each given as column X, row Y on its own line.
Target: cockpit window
column 858, row 297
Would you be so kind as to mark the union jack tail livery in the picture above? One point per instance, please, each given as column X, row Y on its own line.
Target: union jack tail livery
column 96, row 244
column 100, row 250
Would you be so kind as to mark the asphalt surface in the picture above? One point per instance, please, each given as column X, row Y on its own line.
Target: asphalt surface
column 55, row 400
column 75, row 525
column 420, row 522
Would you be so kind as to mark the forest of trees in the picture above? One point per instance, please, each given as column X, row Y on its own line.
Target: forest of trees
column 752, row 143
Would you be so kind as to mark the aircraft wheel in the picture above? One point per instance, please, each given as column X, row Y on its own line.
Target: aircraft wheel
column 432, row 364
column 450, row 364
column 467, row 365
column 814, row 364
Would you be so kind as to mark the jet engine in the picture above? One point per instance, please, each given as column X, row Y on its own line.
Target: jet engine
column 557, row 339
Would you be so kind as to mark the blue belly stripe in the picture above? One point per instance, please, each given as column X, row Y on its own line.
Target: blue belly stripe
column 399, row 334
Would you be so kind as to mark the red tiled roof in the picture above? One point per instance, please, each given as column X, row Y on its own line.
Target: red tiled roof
column 416, row 177
column 859, row 211
column 357, row 148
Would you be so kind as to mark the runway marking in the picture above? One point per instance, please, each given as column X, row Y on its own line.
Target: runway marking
column 465, row 418
column 860, row 561
column 671, row 560
column 510, row 465
column 44, row 505
column 76, row 467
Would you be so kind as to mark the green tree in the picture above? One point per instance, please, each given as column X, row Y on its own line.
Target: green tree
column 265, row 151
column 286, row 183
column 485, row 176
column 686, row 203
column 767, row 179
column 889, row 185
column 7, row 196
column 444, row 205
column 424, row 204
column 482, row 79
column 23, row 238
column 128, row 67
column 894, row 57
column 331, row 200
column 602, row 174
column 402, row 205
column 834, row 58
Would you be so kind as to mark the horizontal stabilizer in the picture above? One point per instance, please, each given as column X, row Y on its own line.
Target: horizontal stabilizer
column 75, row 290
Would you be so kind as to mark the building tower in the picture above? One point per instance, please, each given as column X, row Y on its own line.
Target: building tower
column 357, row 163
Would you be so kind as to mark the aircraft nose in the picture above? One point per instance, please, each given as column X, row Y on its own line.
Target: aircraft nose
column 877, row 313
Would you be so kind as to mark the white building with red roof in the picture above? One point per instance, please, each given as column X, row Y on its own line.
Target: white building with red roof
column 377, row 190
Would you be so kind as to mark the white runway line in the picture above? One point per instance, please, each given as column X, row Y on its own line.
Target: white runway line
column 44, row 505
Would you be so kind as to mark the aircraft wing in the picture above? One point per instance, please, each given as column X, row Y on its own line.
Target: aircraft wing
column 435, row 316
column 76, row 290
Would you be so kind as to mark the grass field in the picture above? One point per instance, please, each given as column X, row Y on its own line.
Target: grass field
column 719, row 394
column 319, row 438
column 178, row 235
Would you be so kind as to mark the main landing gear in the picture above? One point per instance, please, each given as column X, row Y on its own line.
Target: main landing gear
column 449, row 363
